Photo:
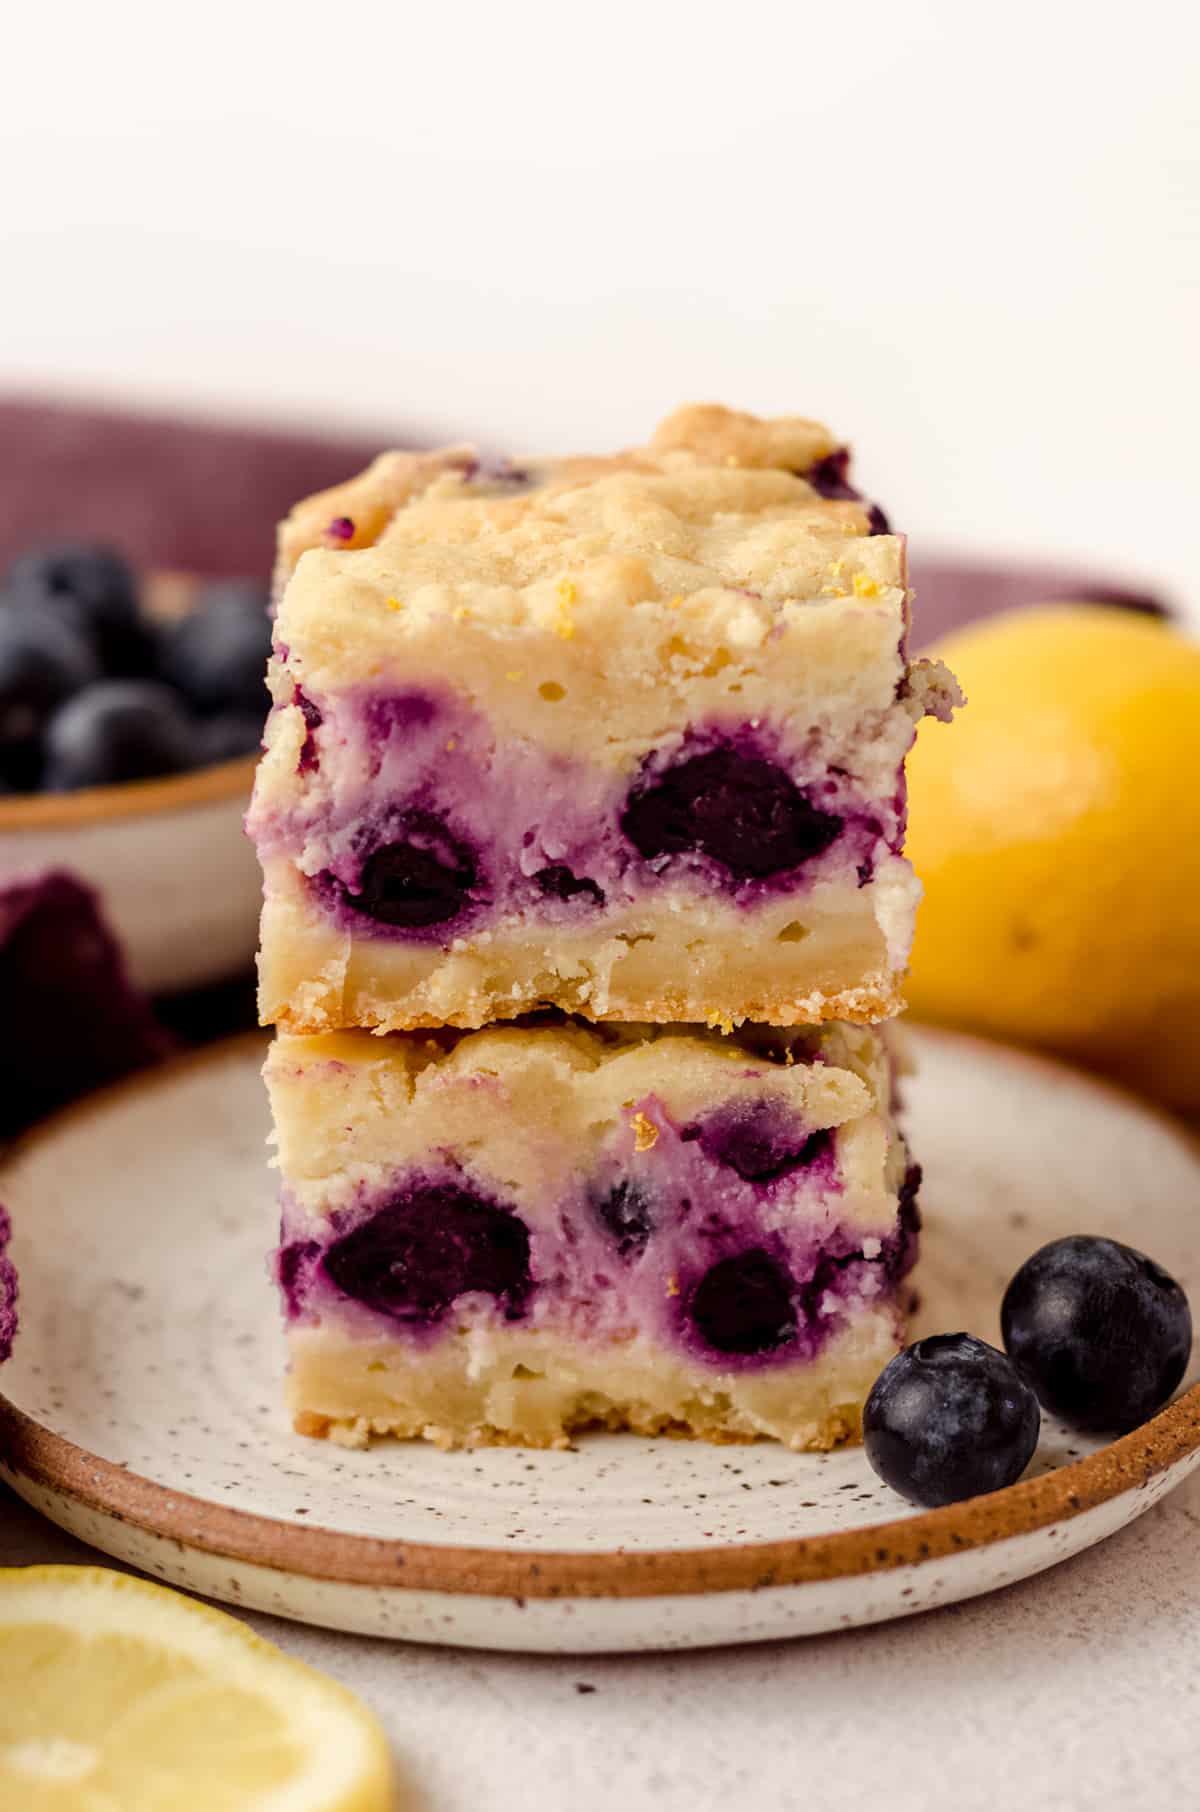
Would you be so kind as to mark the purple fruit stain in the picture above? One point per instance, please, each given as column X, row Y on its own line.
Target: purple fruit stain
column 760, row 1140
column 900, row 1252
column 309, row 760
column 292, row 1263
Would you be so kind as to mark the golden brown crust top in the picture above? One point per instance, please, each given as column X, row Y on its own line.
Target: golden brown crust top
column 366, row 503
column 358, row 513
column 717, row 436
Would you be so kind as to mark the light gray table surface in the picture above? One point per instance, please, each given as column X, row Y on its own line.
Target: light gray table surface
column 1078, row 1691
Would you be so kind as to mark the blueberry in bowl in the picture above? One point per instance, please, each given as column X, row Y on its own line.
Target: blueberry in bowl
column 44, row 661
column 94, row 591
column 216, row 654
column 100, row 684
column 131, row 714
column 114, row 731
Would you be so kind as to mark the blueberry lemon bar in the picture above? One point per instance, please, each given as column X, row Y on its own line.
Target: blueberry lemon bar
column 507, row 1234
column 622, row 736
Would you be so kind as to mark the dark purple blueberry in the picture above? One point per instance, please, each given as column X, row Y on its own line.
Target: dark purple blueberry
column 626, row 1214
column 216, row 655
column 94, row 589
column 830, row 477
column 225, row 738
column 291, row 1262
column 9, row 1289
column 310, row 759
column 424, row 879
column 44, row 660
column 948, row 1419
column 20, row 767
column 740, row 810
column 900, row 1251
column 418, row 1254
column 1101, row 1332
column 117, row 730
column 744, row 1304
column 563, row 884
column 761, row 1141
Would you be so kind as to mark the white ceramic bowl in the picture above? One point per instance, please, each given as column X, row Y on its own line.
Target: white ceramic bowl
column 177, row 877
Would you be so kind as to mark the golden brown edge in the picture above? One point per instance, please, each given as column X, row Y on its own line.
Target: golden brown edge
column 49, row 1460
column 665, row 1009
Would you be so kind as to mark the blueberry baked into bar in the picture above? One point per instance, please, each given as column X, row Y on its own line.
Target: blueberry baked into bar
column 508, row 1234
column 621, row 736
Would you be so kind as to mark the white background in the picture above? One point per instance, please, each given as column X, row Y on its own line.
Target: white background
column 968, row 235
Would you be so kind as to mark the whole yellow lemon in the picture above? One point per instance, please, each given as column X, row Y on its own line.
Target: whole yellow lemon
column 1057, row 831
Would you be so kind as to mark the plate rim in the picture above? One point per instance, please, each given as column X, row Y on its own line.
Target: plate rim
column 30, row 1449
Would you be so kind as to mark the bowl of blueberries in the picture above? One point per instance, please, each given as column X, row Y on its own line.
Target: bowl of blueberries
column 131, row 714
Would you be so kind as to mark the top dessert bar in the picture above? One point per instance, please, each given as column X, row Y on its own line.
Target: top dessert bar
column 624, row 736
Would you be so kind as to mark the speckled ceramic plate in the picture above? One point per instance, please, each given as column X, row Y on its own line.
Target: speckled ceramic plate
column 143, row 1412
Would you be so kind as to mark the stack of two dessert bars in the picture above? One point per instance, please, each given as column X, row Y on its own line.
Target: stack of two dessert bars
column 581, row 818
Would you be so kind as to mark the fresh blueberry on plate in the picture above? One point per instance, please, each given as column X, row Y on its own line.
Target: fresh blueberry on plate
column 950, row 1418
column 117, row 730
column 1100, row 1331
column 216, row 655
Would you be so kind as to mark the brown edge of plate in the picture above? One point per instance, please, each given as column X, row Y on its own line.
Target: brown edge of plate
column 49, row 1460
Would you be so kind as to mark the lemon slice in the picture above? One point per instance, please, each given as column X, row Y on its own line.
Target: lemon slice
column 121, row 1696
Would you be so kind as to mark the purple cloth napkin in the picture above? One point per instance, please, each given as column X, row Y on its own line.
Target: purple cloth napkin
column 191, row 496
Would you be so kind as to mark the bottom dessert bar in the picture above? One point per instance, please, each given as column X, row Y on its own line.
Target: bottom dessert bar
column 507, row 1235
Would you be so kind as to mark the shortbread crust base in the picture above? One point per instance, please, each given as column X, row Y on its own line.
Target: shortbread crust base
column 797, row 961
column 533, row 1389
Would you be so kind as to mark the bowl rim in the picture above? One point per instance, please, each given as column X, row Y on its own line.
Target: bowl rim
column 224, row 780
